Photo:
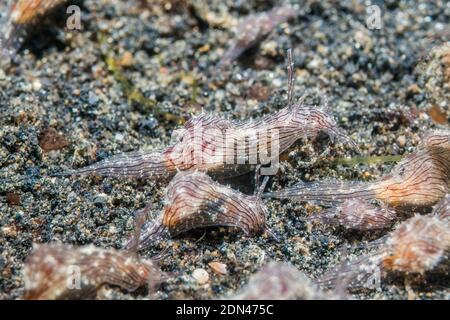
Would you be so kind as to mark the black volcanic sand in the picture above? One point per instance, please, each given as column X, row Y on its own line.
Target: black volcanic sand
column 133, row 73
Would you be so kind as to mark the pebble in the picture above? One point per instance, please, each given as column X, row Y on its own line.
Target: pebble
column 401, row 141
column 201, row 276
column 126, row 60
column 119, row 137
column 218, row 267
column 93, row 98
column 37, row 85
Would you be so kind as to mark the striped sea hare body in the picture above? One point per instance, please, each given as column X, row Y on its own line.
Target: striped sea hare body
column 422, row 178
column 194, row 200
column 211, row 143
column 419, row 181
column 58, row 271
column 417, row 245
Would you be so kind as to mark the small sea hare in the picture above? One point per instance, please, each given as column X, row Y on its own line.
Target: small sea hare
column 281, row 281
column 254, row 28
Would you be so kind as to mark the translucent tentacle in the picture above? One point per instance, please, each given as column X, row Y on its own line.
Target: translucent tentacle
column 363, row 272
column 328, row 193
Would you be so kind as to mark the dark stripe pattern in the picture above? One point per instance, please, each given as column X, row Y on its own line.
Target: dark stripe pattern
column 194, row 200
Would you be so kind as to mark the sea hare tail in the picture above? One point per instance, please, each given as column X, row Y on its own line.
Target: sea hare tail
column 135, row 164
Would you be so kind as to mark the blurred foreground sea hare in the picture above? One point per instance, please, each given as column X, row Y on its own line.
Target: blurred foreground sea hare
column 58, row 271
column 281, row 281
column 23, row 13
